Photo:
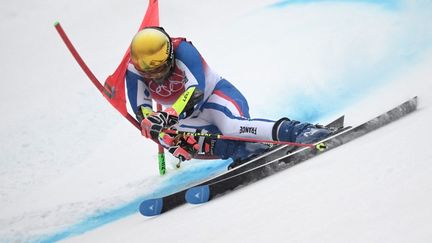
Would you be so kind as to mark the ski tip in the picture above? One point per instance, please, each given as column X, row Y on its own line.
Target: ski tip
column 415, row 100
column 56, row 23
column 338, row 123
column 151, row 207
column 197, row 195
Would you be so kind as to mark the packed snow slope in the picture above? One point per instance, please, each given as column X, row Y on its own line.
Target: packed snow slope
column 72, row 169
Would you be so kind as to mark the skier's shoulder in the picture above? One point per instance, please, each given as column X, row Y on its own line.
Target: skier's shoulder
column 184, row 49
column 177, row 41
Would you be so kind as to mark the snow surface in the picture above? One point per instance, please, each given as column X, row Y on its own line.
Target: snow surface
column 72, row 169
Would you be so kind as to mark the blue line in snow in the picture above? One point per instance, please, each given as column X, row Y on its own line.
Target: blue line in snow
column 387, row 4
column 193, row 173
column 93, row 222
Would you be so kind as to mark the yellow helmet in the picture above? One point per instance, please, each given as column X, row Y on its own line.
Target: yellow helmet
column 152, row 53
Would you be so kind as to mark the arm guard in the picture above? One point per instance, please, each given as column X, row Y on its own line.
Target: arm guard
column 188, row 102
column 143, row 112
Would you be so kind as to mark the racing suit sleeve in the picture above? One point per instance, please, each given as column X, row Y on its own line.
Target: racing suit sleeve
column 188, row 102
column 138, row 95
column 190, row 60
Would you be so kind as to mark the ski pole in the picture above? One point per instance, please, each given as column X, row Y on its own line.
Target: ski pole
column 233, row 138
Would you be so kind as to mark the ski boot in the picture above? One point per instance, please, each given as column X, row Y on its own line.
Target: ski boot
column 294, row 131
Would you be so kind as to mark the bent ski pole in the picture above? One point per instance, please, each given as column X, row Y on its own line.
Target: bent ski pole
column 251, row 140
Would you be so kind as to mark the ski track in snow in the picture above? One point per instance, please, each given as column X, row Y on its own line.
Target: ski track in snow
column 71, row 164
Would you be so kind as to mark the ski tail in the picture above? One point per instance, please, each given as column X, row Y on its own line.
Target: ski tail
column 198, row 195
column 151, row 207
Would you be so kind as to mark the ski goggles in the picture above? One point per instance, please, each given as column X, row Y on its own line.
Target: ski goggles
column 158, row 73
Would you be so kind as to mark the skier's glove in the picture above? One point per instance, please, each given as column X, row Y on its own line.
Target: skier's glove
column 180, row 146
column 155, row 123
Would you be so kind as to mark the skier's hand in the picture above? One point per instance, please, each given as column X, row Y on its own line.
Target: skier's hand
column 181, row 146
column 155, row 123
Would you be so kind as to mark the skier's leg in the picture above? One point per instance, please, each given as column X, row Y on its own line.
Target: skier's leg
column 228, row 110
column 225, row 108
column 222, row 149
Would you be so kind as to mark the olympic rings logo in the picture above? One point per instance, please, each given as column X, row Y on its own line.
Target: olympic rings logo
column 166, row 90
column 174, row 84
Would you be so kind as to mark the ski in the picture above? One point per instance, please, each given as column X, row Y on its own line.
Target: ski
column 156, row 206
column 204, row 193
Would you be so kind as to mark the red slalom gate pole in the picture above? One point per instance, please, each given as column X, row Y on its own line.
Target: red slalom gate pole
column 87, row 70
column 77, row 57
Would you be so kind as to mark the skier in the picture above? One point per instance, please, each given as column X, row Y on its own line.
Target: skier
column 172, row 72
